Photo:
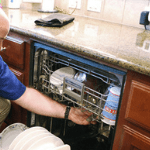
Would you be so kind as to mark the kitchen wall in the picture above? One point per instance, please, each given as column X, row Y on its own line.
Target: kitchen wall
column 118, row 11
column 125, row 12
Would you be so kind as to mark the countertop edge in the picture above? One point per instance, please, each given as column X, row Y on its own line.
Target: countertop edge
column 83, row 50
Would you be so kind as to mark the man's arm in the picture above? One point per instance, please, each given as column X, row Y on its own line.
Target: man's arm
column 38, row 103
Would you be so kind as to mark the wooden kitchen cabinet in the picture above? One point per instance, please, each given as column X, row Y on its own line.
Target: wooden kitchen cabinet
column 133, row 127
column 17, row 55
column 14, row 51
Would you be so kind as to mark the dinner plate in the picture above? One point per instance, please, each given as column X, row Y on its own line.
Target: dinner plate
column 63, row 147
column 26, row 137
column 26, row 144
column 9, row 134
column 56, row 79
column 21, row 135
column 46, row 143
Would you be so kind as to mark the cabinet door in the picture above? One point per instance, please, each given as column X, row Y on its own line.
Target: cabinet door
column 133, row 126
column 13, row 52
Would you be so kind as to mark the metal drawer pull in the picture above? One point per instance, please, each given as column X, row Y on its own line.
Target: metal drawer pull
column 3, row 48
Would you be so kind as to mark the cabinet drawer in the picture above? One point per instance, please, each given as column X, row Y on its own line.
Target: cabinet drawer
column 14, row 52
column 134, row 140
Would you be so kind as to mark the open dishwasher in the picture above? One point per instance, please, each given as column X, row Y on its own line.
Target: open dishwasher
column 82, row 83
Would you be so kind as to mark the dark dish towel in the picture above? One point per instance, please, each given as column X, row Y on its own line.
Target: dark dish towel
column 55, row 20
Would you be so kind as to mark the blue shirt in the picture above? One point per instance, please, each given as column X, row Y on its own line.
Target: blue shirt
column 10, row 87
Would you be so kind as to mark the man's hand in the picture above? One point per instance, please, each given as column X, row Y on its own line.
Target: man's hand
column 41, row 104
column 80, row 117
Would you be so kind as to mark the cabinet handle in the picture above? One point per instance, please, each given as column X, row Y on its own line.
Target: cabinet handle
column 3, row 48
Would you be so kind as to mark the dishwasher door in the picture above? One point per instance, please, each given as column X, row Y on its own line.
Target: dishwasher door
column 77, row 82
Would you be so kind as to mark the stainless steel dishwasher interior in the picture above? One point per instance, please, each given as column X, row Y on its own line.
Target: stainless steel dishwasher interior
column 88, row 88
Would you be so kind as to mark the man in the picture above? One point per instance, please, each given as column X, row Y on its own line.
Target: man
column 29, row 98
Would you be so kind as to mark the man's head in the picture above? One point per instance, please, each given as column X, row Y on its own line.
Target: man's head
column 4, row 24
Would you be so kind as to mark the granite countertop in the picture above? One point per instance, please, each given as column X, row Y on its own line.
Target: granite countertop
column 120, row 45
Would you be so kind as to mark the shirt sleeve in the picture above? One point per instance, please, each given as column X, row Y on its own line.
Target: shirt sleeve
column 10, row 87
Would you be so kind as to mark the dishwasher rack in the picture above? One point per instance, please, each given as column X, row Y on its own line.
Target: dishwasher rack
column 74, row 93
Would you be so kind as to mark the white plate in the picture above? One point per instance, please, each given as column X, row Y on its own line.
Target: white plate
column 26, row 144
column 21, row 135
column 9, row 134
column 56, row 79
column 26, row 137
column 63, row 147
column 46, row 143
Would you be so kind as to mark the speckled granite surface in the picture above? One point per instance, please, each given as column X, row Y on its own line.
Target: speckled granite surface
column 119, row 45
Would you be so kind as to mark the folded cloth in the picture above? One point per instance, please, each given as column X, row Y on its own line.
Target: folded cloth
column 55, row 20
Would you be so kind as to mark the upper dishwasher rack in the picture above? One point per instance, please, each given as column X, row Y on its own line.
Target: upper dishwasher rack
column 80, row 95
